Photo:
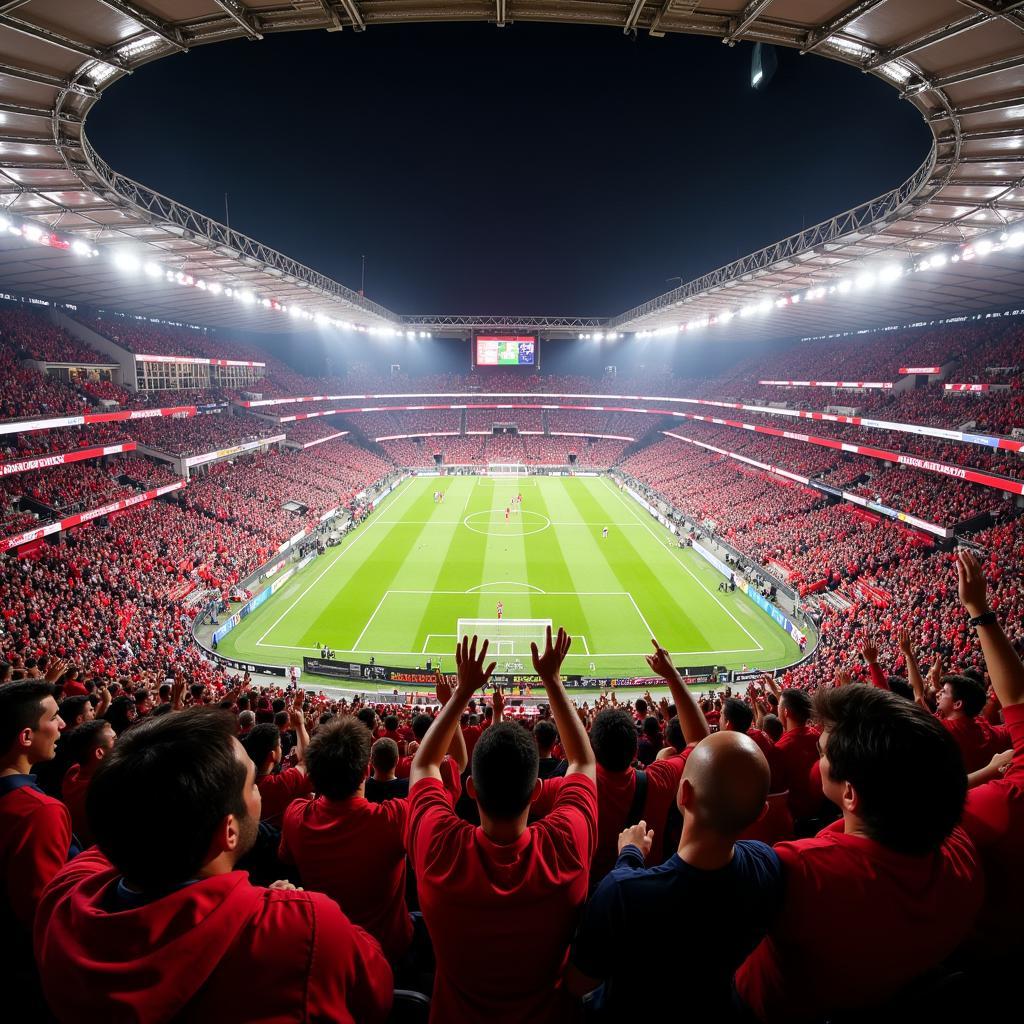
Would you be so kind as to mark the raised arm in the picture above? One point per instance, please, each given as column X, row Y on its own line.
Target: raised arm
column 457, row 748
column 691, row 718
column 438, row 739
column 1004, row 665
column 573, row 736
column 870, row 653
column 498, row 703
column 913, row 671
column 297, row 721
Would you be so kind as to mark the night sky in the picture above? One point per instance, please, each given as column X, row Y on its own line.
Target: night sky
column 533, row 169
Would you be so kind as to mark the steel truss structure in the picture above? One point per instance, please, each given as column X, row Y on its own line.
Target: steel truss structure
column 959, row 62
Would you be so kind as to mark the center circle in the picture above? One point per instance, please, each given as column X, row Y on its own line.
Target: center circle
column 492, row 523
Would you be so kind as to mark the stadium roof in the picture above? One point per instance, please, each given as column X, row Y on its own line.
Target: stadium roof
column 960, row 62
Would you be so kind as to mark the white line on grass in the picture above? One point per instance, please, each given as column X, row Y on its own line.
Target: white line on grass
column 348, row 547
column 647, row 625
column 593, row 657
column 682, row 565
column 355, row 646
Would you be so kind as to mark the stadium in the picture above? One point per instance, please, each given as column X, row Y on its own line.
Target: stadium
column 746, row 552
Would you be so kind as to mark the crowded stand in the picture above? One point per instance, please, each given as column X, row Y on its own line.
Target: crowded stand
column 33, row 336
column 146, row 473
column 143, row 338
column 66, row 489
column 307, row 431
column 524, row 419
column 27, row 392
column 196, row 435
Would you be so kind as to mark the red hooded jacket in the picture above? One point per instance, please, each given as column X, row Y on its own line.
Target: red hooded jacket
column 217, row 949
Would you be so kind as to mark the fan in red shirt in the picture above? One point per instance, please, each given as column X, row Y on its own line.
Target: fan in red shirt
column 994, row 813
column 613, row 738
column 279, row 788
column 35, row 830
column 886, row 893
column 485, row 890
column 453, row 765
column 86, row 747
column 158, row 911
column 798, row 749
column 345, row 846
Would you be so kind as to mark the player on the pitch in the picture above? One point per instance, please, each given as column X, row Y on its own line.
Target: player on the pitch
column 500, row 609
column 507, row 511
column 604, row 533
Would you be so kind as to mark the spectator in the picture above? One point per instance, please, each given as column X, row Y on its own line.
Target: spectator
column 383, row 784
column 888, row 891
column 158, row 909
column 278, row 788
column 347, row 847
column 481, row 889
column 546, row 736
column 87, row 745
column 734, row 889
column 798, row 747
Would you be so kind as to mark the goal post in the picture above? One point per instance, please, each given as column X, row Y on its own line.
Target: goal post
column 513, row 469
column 507, row 637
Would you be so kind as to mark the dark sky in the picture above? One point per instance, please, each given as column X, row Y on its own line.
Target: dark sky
column 533, row 169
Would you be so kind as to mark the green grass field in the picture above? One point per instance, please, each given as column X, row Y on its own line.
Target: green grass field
column 399, row 584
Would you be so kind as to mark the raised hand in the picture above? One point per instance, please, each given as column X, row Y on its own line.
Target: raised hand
column 660, row 661
column 55, row 668
column 637, row 835
column 870, row 649
column 971, row 583
column 843, row 677
column 548, row 664
column 906, row 643
column 442, row 687
column 498, row 703
column 470, row 665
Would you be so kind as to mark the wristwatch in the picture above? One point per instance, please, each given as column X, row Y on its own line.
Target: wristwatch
column 985, row 619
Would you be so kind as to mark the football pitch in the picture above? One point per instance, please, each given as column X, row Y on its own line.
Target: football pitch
column 398, row 585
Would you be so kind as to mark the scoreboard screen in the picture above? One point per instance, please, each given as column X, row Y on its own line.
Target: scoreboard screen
column 506, row 350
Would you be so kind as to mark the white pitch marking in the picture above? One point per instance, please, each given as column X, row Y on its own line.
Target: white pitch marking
column 684, row 567
column 355, row 646
column 647, row 625
column 505, row 583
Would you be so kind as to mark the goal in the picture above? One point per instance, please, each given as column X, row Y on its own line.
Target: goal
column 506, row 469
column 509, row 638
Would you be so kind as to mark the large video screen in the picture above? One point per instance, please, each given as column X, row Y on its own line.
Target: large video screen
column 506, row 349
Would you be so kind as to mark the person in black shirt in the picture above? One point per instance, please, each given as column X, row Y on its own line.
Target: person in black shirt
column 382, row 784
column 546, row 736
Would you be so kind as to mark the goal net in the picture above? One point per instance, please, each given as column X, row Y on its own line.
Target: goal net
column 509, row 638
column 506, row 469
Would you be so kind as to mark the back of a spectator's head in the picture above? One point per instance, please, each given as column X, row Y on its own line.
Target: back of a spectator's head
column 165, row 692
column 243, row 702
column 674, row 734
column 891, row 765
column 651, row 729
column 25, row 707
column 384, row 755
column 337, row 757
column 962, row 693
column 546, row 735
column 641, row 706
column 86, row 742
column 795, row 705
column 262, row 743
column 613, row 737
column 901, row 687
column 773, row 727
column 736, row 715
column 504, row 776
column 278, row 704
column 246, row 720
column 725, row 783
column 391, row 723
column 488, row 713
column 159, row 803
column 281, row 720
column 368, row 717
column 420, row 725
column 121, row 713
column 75, row 710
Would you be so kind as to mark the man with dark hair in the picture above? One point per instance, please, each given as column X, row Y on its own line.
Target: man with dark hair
column 368, row 717
column 454, row 763
column 85, row 746
column 959, row 706
column 737, row 716
column 481, row 888
column 279, row 787
column 545, row 735
column 391, row 732
column 35, row 829
column 773, row 727
column 624, row 794
column 76, row 710
column 798, row 751
column 733, row 888
column 347, row 847
column 383, row 783
column 158, row 911
column 888, row 891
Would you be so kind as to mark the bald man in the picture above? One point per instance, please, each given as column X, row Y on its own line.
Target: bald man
column 725, row 890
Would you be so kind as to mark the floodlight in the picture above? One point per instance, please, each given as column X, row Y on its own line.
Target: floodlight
column 215, row 287
column 891, row 272
column 765, row 306
column 865, row 281
column 1015, row 240
column 983, row 246
column 32, row 232
column 77, row 246
column 845, row 286
column 127, row 262
column 938, row 260
column 4, row 223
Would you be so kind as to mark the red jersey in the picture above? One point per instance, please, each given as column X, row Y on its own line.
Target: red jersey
column 35, row 837
column 799, row 753
column 279, row 790
column 449, row 775
column 216, row 949
column 471, row 733
column 73, row 791
column 994, row 819
column 615, row 792
column 354, row 851
column 776, row 761
column 978, row 741
column 859, row 923
column 487, row 904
